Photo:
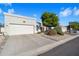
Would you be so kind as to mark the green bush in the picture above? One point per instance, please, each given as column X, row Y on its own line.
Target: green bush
column 59, row 30
column 51, row 32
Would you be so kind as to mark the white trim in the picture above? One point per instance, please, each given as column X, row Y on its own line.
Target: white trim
column 30, row 24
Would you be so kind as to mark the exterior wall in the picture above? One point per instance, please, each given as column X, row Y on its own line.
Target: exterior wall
column 2, row 29
column 46, row 28
column 52, row 27
column 64, row 29
column 16, row 19
column 11, row 18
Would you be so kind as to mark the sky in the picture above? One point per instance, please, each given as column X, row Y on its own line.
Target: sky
column 65, row 11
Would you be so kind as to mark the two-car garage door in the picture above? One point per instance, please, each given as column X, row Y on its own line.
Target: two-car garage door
column 20, row 29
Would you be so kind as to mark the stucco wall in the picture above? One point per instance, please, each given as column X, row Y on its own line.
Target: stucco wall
column 11, row 18
column 16, row 19
column 64, row 29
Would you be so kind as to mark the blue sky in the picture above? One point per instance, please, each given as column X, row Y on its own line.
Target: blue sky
column 66, row 11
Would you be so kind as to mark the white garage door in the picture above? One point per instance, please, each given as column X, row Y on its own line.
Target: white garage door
column 20, row 29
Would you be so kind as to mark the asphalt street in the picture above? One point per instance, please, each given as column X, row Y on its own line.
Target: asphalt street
column 70, row 48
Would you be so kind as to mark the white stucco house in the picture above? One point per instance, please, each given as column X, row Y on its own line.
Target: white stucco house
column 18, row 25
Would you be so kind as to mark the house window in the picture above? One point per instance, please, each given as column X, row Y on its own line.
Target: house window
column 37, row 27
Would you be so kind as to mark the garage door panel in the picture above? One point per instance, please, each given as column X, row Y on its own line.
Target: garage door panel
column 20, row 29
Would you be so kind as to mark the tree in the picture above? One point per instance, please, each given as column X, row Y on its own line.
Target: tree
column 74, row 25
column 49, row 19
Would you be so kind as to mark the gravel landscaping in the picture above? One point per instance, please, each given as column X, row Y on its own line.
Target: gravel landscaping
column 57, row 37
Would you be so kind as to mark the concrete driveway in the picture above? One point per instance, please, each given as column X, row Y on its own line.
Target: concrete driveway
column 1, row 39
column 20, row 43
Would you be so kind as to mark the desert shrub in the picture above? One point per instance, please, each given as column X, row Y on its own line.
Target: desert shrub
column 59, row 30
column 51, row 32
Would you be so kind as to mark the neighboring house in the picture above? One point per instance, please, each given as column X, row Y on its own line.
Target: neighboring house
column 18, row 25
column 64, row 28
column 47, row 28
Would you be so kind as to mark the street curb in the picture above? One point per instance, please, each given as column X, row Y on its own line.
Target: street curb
column 45, row 48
